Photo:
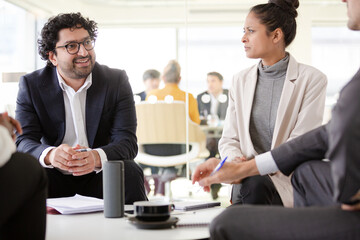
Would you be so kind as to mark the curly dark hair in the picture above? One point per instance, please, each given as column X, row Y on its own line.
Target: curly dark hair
column 49, row 33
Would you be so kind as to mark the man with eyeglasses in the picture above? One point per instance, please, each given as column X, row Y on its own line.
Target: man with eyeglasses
column 75, row 103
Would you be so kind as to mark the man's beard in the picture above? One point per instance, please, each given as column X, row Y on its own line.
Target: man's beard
column 79, row 73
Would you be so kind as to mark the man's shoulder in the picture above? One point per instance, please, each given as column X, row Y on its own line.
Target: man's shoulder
column 140, row 93
column 104, row 74
column 154, row 92
column 201, row 94
column 42, row 72
column 39, row 77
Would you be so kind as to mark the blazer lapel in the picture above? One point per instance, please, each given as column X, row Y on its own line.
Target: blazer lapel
column 223, row 106
column 207, row 107
column 52, row 95
column 248, row 93
column 289, row 85
column 95, row 100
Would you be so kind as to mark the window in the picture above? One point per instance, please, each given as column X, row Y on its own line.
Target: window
column 336, row 52
column 211, row 49
column 17, row 49
column 135, row 50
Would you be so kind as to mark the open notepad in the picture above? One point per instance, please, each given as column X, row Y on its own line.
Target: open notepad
column 78, row 204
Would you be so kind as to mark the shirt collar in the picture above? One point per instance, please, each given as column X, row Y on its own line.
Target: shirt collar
column 213, row 96
column 65, row 87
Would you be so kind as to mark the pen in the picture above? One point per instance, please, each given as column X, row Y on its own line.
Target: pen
column 217, row 168
column 83, row 150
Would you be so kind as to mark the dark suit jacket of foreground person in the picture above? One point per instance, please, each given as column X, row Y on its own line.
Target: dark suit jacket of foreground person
column 338, row 141
column 110, row 120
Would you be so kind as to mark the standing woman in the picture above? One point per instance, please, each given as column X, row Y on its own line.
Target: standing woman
column 270, row 103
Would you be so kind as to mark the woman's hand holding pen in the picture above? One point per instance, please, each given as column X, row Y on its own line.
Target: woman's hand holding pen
column 231, row 172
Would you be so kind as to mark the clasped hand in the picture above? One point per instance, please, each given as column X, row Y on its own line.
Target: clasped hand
column 68, row 159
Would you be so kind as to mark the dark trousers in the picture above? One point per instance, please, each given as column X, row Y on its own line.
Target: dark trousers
column 313, row 185
column 22, row 198
column 61, row 185
column 321, row 219
column 256, row 190
column 279, row 223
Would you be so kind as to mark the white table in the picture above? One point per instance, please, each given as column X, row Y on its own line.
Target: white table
column 95, row 226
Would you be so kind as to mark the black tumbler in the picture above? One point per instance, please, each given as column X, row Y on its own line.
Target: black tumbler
column 113, row 189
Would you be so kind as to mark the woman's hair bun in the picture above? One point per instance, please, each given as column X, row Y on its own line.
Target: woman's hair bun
column 289, row 6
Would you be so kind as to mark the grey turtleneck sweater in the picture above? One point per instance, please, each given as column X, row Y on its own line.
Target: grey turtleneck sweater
column 267, row 95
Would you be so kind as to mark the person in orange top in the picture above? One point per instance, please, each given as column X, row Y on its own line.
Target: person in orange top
column 171, row 77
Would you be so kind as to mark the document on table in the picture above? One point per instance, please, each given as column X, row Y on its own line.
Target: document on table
column 78, row 204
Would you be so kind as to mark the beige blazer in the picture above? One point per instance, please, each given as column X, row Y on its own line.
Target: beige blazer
column 301, row 109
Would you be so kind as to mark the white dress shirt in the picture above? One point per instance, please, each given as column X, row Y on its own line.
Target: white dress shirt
column 7, row 146
column 214, row 105
column 75, row 119
column 266, row 163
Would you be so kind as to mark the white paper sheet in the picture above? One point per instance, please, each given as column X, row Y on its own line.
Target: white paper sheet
column 78, row 204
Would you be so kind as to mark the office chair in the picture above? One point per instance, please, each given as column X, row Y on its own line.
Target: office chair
column 162, row 124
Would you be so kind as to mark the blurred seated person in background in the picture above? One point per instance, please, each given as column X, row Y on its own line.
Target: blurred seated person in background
column 171, row 77
column 213, row 104
column 214, row 101
column 151, row 80
column 23, row 187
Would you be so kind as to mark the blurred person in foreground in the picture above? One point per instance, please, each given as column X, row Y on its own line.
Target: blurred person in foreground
column 23, row 187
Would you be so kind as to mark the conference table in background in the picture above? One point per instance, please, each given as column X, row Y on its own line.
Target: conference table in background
column 93, row 226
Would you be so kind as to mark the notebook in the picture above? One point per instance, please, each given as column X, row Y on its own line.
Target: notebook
column 77, row 204
column 194, row 205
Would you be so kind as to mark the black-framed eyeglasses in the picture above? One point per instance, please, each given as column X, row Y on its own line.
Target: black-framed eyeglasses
column 74, row 47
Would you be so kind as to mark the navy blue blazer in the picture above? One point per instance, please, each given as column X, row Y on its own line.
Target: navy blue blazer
column 142, row 95
column 110, row 113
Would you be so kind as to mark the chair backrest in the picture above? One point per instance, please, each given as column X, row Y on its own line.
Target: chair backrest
column 163, row 122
